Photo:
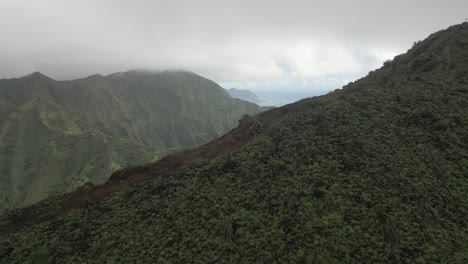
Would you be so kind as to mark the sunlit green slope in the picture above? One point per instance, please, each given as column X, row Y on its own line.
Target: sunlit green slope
column 55, row 136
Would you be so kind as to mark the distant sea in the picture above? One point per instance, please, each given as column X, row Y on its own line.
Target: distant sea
column 283, row 97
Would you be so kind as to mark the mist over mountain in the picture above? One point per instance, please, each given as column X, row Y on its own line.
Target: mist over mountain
column 243, row 94
column 58, row 135
column 375, row 172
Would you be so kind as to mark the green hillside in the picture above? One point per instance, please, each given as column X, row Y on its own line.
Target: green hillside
column 58, row 135
column 373, row 173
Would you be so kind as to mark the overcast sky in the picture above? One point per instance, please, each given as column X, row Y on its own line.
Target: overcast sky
column 259, row 44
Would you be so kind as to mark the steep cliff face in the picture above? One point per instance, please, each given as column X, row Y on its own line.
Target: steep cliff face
column 57, row 135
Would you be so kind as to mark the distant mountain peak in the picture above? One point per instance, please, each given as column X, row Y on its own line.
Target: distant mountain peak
column 156, row 72
column 116, row 74
column 94, row 77
column 36, row 76
column 243, row 94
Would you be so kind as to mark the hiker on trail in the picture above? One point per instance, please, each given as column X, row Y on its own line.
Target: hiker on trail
column 256, row 127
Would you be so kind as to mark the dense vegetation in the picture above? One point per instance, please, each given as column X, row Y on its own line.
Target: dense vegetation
column 373, row 173
column 56, row 136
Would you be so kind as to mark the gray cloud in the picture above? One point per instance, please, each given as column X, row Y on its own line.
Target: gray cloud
column 239, row 42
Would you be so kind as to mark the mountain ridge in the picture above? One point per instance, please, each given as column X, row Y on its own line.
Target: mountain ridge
column 42, row 121
column 278, row 114
column 372, row 173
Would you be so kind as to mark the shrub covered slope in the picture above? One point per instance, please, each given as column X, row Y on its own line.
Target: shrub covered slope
column 373, row 173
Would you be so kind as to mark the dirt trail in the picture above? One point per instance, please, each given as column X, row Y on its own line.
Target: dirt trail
column 131, row 176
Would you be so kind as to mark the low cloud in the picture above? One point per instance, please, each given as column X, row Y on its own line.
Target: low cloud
column 305, row 44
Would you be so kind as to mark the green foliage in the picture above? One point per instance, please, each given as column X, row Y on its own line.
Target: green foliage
column 41, row 256
column 374, row 173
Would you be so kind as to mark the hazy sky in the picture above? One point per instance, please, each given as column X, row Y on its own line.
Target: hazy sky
column 258, row 44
